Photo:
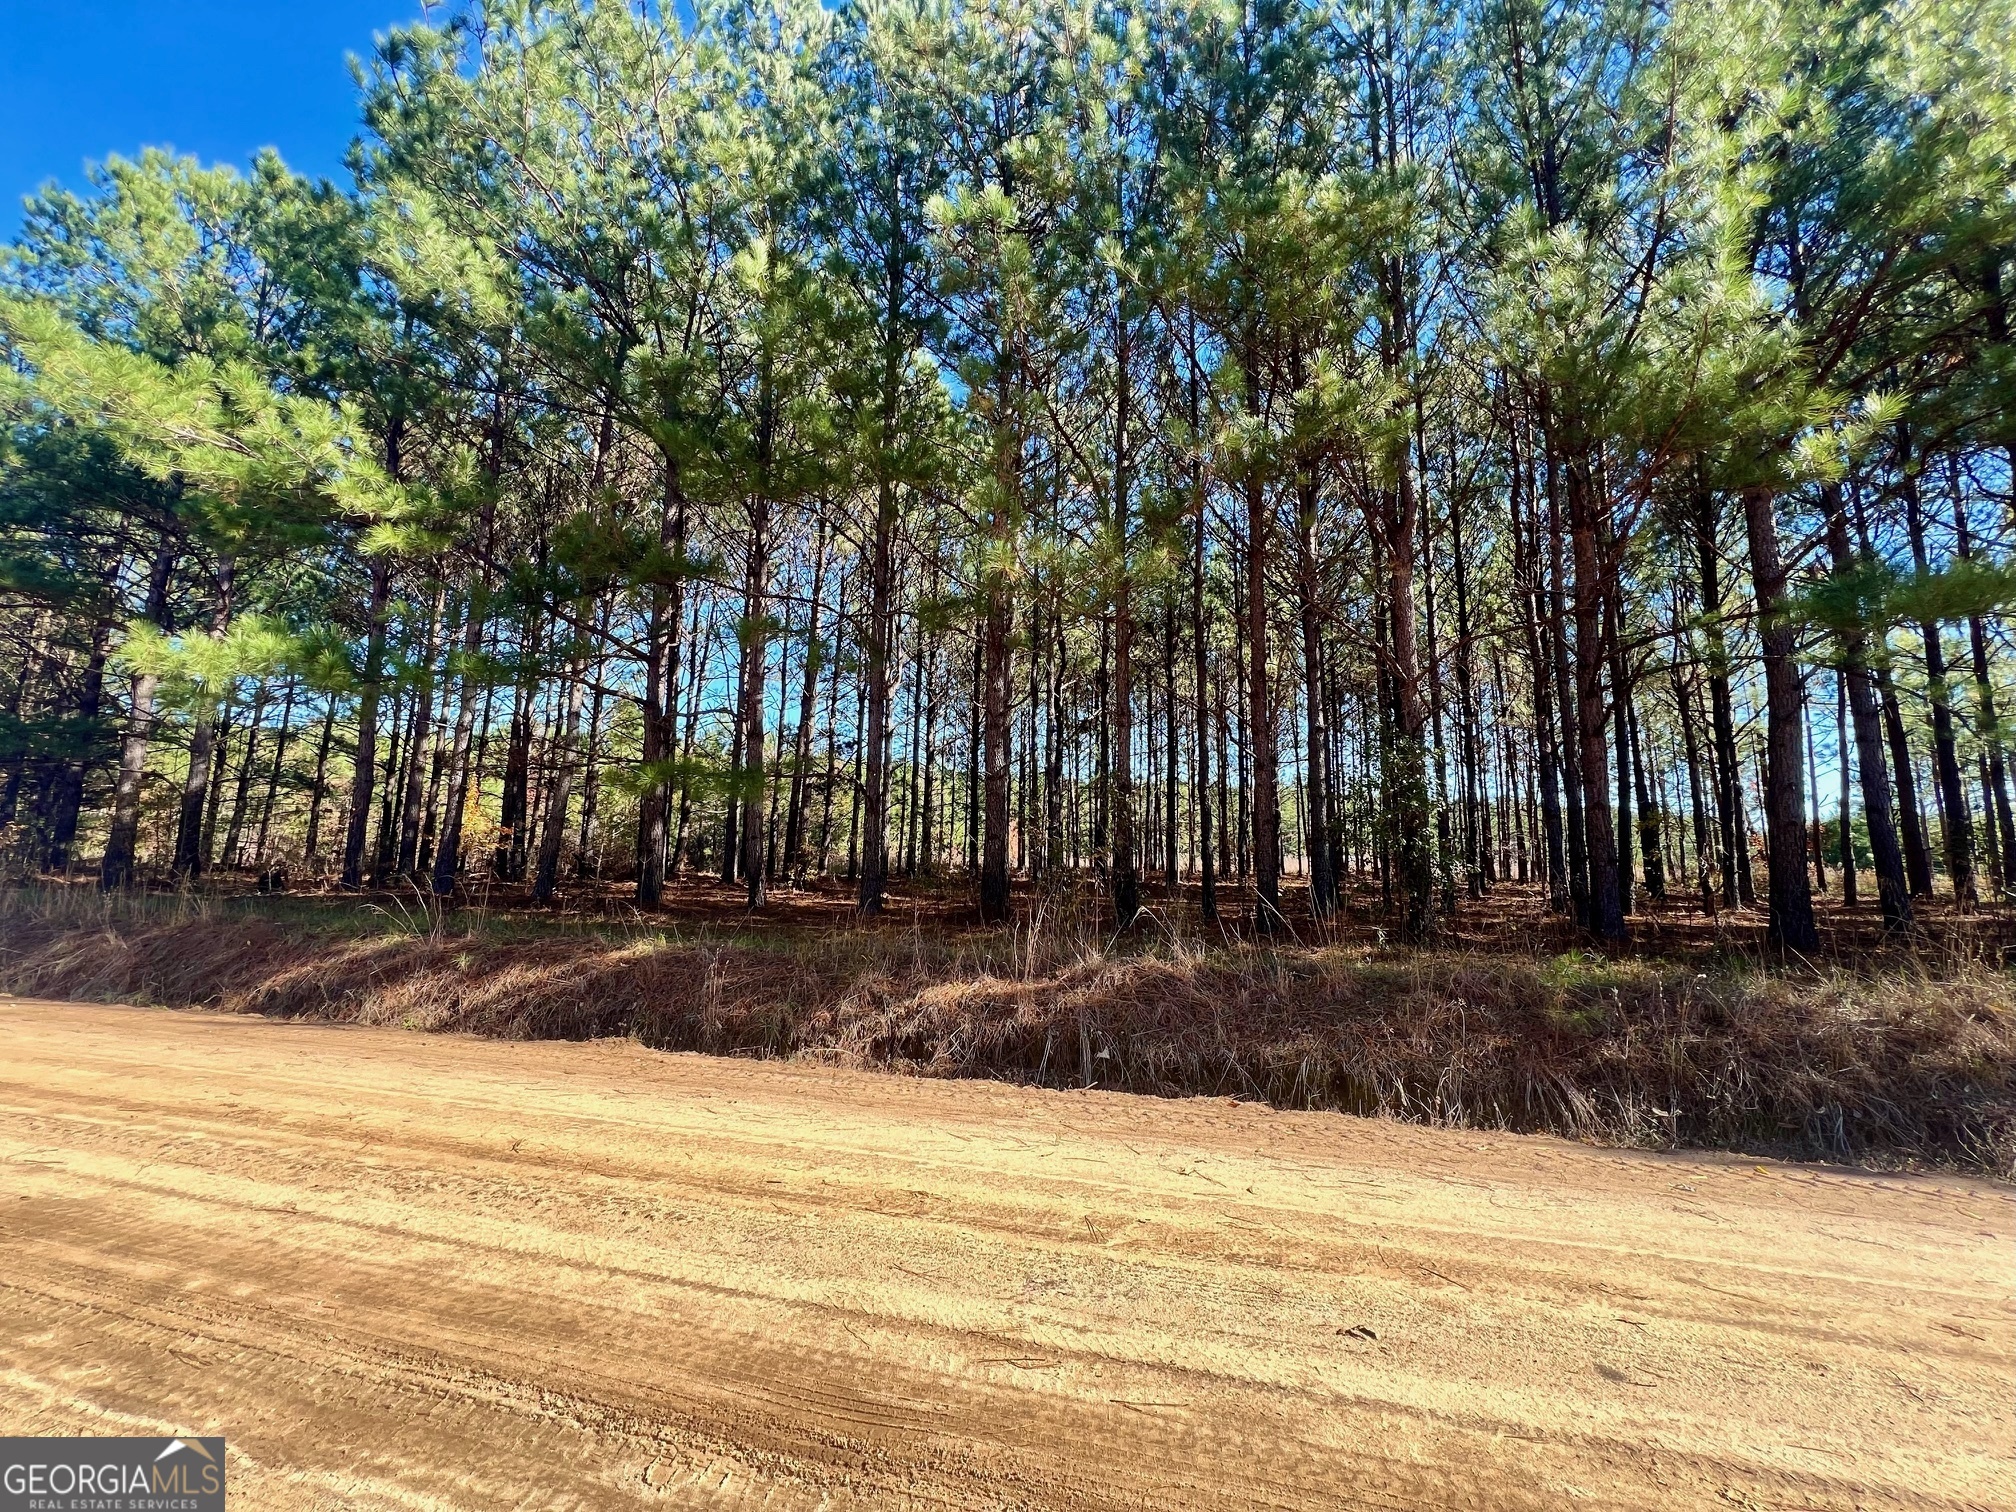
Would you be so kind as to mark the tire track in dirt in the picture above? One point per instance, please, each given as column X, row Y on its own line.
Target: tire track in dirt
column 406, row 1271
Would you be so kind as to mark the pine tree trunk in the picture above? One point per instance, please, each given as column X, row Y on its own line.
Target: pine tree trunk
column 1945, row 754
column 271, row 799
column 587, row 852
column 241, row 795
column 874, row 859
column 1476, row 841
column 448, row 852
column 755, row 638
column 808, row 690
column 119, row 861
column 832, row 727
column 1126, row 880
column 188, row 860
column 1893, row 885
column 189, row 846
column 1650, row 840
column 703, row 653
column 413, row 810
column 994, row 754
column 976, row 739
column 1995, row 796
column 1737, row 886
column 1917, row 843
column 565, row 754
column 661, row 694
column 1539, row 659
column 1683, row 704
column 319, row 789
column 213, row 800
column 67, row 797
column 731, row 820
column 1606, row 899
column 1240, row 835
column 365, row 767
column 514, row 803
column 390, row 782
column 1814, row 828
column 1574, row 801
column 1443, row 859
column 1790, row 920
column 1316, row 797
column 118, row 867
column 1171, row 873
column 1260, row 730
column 1620, row 701
column 448, row 848
column 1126, row 884
column 1200, row 772
column 927, row 825
column 1850, row 885
column 998, row 695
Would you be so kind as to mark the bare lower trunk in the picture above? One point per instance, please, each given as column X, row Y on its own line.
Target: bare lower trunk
column 448, row 849
column 1266, row 814
column 1683, row 704
column 1998, row 821
column 801, row 751
column 1200, row 772
column 1945, row 754
column 116, row 870
column 1574, row 809
column 318, row 788
column 1651, row 840
column 1851, row 887
column 998, row 695
column 750, row 777
column 1126, row 881
column 566, row 761
column 874, row 858
column 1606, row 898
column 364, row 770
column 661, row 693
column 994, row 760
column 1316, row 802
column 1917, row 850
column 66, row 796
column 1893, row 890
column 413, row 810
column 189, row 846
column 241, row 794
column 273, row 776
column 1790, row 923
column 118, row 867
column 1547, row 749
column 1737, row 886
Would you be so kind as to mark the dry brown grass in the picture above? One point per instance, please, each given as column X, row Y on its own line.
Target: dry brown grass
column 1912, row 1061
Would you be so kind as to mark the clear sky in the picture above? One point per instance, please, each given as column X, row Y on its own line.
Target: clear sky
column 217, row 78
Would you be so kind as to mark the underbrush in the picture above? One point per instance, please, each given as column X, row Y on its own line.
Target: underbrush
column 1912, row 1060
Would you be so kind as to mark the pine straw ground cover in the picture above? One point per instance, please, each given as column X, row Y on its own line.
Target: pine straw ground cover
column 1911, row 1060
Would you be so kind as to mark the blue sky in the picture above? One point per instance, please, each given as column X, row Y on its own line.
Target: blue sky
column 217, row 78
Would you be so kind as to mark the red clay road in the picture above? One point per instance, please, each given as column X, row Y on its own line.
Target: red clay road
column 404, row 1271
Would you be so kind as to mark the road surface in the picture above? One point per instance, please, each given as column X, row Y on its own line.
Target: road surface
column 404, row 1271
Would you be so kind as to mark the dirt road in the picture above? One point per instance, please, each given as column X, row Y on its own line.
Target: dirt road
column 402, row 1271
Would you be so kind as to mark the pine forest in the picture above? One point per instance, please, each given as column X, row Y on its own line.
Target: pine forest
column 1245, row 466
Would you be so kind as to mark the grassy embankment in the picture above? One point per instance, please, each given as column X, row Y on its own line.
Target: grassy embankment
column 1903, row 1057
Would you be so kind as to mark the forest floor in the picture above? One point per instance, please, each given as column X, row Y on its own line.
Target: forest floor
column 1692, row 1036
column 398, row 1271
